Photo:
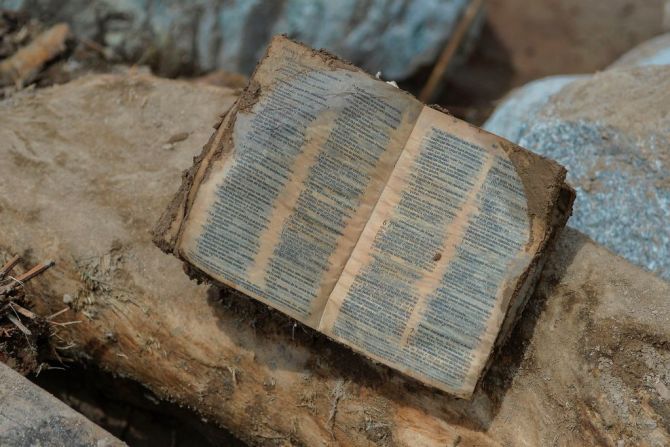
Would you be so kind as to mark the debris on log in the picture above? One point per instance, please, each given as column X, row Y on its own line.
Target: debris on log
column 23, row 333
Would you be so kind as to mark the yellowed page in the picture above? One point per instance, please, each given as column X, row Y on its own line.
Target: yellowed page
column 314, row 141
column 428, row 284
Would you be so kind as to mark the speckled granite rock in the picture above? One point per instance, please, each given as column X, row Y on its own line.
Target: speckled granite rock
column 392, row 36
column 512, row 116
column 620, row 169
column 612, row 131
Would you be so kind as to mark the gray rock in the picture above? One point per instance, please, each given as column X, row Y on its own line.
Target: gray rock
column 29, row 416
column 653, row 52
column 612, row 132
column 392, row 36
column 511, row 117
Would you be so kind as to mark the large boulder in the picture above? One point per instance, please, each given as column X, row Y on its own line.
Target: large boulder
column 517, row 109
column 612, row 131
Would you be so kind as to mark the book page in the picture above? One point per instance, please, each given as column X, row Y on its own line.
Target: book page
column 310, row 146
column 428, row 284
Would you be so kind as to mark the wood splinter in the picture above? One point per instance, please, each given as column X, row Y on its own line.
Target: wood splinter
column 24, row 277
column 9, row 265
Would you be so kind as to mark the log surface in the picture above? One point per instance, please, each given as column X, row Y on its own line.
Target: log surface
column 86, row 170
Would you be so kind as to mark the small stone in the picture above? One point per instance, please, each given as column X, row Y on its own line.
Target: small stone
column 67, row 298
column 176, row 138
column 662, row 390
column 650, row 424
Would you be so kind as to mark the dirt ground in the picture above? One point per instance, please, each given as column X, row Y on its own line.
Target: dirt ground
column 571, row 36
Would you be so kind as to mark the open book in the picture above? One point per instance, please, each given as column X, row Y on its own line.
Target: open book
column 410, row 236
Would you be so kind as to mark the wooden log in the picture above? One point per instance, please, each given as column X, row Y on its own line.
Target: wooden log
column 31, row 416
column 588, row 364
column 25, row 63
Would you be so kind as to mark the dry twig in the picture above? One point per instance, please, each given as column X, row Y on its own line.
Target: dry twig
column 25, row 63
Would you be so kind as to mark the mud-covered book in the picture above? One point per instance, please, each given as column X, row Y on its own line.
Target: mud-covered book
column 396, row 229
